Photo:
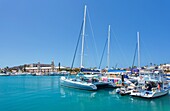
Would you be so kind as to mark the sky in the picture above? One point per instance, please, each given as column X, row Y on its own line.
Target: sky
column 33, row 31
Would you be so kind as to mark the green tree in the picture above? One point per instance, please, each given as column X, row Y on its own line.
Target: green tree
column 59, row 66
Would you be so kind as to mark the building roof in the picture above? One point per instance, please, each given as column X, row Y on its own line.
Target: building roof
column 36, row 68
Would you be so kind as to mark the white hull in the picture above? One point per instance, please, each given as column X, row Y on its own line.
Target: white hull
column 2, row 74
column 77, row 84
column 21, row 74
column 168, row 77
column 123, row 91
column 150, row 94
column 136, row 94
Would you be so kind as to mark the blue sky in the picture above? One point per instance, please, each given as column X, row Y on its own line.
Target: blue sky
column 46, row 30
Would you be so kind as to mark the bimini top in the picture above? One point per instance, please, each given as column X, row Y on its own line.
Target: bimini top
column 84, row 70
column 152, row 80
column 134, row 70
column 110, row 71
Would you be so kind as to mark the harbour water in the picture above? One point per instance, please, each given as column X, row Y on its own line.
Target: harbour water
column 43, row 93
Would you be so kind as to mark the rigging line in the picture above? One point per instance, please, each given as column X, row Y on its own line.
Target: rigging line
column 88, row 60
column 120, row 48
column 93, row 35
column 103, row 53
column 134, row 55
column 76, row 46
column 86, row 52
column 148, row 56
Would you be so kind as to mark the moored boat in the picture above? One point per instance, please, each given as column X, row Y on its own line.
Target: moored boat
column 136, row 92
column 154, row 93
column 155, row 85
column 95, row 79
column 126, row 90
column 4, row 74
column 77, row 83
column 159, row 87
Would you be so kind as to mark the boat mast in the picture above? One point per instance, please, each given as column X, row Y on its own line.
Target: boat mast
column 108, row 49
column 83, row 35
column 138, row 49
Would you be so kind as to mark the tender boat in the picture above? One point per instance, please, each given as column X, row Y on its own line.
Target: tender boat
column 126, row 90
column 136, row 92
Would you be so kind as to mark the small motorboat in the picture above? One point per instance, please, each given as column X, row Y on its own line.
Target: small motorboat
column 126, row 90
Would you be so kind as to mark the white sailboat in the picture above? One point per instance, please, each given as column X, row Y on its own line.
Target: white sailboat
column 111, row 76
column 137, row 90
column 78, row 82
column 154, row 86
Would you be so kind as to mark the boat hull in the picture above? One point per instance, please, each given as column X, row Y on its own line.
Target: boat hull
column 78, row 85
column 135, row 94
column 150, row 94
column 4, row 74
column 101, row 85
column 124, row 92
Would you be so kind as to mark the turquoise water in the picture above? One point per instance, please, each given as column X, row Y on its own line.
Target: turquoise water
column 43, row 93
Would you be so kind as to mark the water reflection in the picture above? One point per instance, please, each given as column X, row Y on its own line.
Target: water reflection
column 67, row 92
column 156, row 104
column 141, row 104
column 113, row 93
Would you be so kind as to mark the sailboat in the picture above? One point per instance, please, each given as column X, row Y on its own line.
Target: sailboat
column 113, row 77
column 78, row 82
column 154, row 85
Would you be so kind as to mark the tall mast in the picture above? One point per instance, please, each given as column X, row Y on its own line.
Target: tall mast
column 108, row 49
column 83, row 35
column 138, row 49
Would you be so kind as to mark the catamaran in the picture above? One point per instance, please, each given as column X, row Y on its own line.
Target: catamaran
column 78, row 82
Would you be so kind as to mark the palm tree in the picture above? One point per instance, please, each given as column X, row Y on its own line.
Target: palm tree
column 52, row 66
column 6, row 69
column 24, row 67
column 151, row 64
column 59, row 66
